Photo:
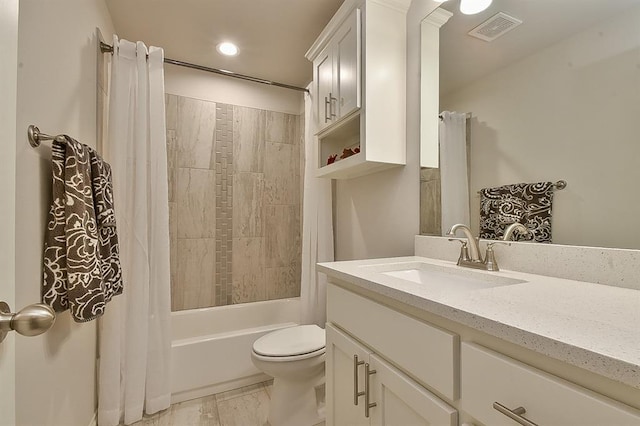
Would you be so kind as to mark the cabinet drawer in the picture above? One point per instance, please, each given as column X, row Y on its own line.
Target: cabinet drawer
column 489, row 377
column 428, row 354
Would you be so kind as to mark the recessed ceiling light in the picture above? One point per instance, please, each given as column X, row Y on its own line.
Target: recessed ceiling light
column 471, row 7
column 227, row 48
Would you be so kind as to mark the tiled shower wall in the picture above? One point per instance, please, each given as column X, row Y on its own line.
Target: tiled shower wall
column 235, row 190
column 430, row 202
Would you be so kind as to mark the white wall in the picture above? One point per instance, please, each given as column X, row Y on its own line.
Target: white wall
column 217, row 88
column 57, row 92
column 567, row 112
column 378, row 215
column 8, row 79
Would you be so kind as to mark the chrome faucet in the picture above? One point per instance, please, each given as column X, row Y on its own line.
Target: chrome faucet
column 470, row 253
column 511, row 229
column 472, row 243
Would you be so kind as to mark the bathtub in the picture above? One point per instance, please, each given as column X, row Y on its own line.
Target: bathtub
column 211, row 347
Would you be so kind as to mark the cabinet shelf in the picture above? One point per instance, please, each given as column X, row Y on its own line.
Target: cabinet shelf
column 352, row 167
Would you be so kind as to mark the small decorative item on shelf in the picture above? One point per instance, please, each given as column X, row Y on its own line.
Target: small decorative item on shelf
column 347, row 152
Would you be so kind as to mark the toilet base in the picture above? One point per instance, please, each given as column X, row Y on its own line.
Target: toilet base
column 299, row 394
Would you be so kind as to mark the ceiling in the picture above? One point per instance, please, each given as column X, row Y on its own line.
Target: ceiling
column 464, row 59
column 272, row 35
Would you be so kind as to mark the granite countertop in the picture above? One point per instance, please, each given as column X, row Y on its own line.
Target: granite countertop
column 592, row 326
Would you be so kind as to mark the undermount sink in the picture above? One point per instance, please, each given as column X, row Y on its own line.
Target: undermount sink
column 443, row 277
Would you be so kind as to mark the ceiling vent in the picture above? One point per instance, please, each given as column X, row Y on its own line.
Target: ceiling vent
column 494, row 27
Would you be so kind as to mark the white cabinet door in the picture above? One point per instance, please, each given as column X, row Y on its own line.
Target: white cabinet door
column 347, row 59
column 400, row 401
column 340, row 389
column 324, row 71
column 337, row 73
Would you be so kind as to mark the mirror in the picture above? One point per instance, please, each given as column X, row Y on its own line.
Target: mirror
column 556, row 98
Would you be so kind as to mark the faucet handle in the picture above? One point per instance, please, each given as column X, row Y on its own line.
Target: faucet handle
column 464, row 250
column 490, row 258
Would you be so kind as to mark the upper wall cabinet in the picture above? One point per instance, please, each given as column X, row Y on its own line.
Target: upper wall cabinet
column 359, row 89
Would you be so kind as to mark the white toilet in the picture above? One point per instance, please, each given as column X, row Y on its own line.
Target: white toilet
column 294, row 357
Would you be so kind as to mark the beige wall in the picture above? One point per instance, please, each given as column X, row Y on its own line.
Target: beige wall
column 57, row 92
column 234, row 198
column 378, row 215
column 212, row 87
column 567, row 112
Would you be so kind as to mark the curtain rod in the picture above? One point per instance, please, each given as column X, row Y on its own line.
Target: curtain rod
column 107, row 48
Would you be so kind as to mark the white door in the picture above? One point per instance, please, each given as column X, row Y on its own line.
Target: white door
column 400, row 401
column 341, row 370
column 8, row 85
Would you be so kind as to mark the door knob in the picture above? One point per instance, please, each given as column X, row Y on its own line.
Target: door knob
column 32, row 320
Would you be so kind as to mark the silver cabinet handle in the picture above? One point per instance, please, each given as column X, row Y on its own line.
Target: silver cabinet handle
column 327, row 101
column 332, row 103
column 515, row 414
column 356, row 394
column 367, row 390
column 32, row 320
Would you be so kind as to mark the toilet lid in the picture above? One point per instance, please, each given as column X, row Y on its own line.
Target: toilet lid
column 291, row 341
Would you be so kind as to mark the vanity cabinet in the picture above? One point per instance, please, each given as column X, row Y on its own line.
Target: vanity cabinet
column 359, row 89
column 362, row 337
column 357, row 377
column 422, row 372
column 492, row 382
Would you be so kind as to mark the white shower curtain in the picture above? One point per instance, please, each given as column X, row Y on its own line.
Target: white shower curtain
column 317, row 227
column 134, row 333
column 454, row 179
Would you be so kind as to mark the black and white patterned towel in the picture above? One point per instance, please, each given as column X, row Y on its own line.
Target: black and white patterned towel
column 527, row 203
column 81, row 261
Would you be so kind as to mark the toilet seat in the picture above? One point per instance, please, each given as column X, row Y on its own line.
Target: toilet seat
column 299, row 342
column 289, row 358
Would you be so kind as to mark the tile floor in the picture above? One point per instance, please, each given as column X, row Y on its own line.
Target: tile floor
column 247, row 406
